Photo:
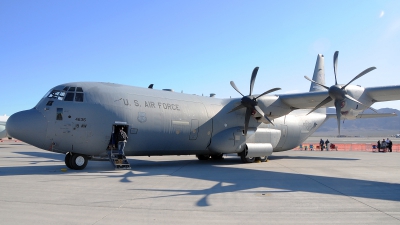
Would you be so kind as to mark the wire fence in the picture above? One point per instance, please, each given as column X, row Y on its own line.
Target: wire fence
column 367, row 147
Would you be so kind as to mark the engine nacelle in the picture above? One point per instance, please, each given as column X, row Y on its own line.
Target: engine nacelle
column 258, row 150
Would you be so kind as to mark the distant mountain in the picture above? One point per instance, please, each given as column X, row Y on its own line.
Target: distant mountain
column 371, row 126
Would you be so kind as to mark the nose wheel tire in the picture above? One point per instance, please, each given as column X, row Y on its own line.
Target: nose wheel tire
column 68, row 160
column 78, row 161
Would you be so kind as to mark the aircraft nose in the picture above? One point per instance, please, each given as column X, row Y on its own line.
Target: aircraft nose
column 29, row 126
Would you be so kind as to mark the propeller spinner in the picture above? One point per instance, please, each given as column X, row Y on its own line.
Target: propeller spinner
column 249, row 102
column 337, row 92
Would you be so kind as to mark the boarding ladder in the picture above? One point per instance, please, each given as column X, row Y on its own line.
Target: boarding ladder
column 119, row 162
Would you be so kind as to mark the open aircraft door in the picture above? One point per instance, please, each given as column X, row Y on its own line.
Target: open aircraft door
column 113, row 143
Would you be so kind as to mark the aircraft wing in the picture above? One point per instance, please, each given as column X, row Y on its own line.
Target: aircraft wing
column 386, row 93
column 306, row 100
column 365, row 115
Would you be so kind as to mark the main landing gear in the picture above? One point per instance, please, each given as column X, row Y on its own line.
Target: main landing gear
column 242, row 157
column 207, row 157
column 251, row 159
column 76, row 161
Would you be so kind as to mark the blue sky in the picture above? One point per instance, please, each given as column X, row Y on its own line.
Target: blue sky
column 196, row 47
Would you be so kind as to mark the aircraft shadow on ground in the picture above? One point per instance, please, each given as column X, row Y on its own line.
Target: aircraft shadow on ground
column 227, row 179
column 271, row 181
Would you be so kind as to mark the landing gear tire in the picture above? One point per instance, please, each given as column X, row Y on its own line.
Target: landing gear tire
column 68, row 160
column 217, row 157
column 78, row 161
column 246, row 159
column 203, row 157
column 262, row 159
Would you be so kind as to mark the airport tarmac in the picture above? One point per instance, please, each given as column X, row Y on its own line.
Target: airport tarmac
column 293, row 187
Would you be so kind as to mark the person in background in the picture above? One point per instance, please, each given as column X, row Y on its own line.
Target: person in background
column 389, row 144
column 327, row 144
column 379, row 145
column 383, row 145
column 321, row 143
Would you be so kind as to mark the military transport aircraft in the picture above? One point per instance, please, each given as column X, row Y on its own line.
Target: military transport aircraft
column 3, row 131
column 79, row 119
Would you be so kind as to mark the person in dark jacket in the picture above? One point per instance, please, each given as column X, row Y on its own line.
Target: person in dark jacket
column 379, row 145
column 321, row 143
column 389, row 145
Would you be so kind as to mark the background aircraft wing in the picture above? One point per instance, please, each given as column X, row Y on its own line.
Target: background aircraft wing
column 385, row 93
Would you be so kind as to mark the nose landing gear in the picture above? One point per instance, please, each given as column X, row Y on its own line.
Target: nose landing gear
column 76, row 161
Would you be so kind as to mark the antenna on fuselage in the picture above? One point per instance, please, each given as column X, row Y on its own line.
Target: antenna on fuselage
column 151, row 86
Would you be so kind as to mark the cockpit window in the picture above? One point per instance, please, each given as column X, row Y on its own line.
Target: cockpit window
column 69, row 97
column 79, row 97
column 67, row 94
column 56, row 94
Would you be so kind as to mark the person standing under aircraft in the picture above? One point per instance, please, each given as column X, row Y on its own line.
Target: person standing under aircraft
column 122, row 139
column 321, row 143
column 389, row 144
column 327, row 144
column 379, row 145
column 384, row 145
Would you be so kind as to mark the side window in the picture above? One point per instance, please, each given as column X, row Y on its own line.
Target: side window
column 59, row 114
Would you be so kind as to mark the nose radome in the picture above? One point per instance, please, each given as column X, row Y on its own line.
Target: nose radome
column 29, row 126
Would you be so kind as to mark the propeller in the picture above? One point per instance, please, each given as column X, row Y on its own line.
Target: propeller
column 250, row 102
column 337, row 93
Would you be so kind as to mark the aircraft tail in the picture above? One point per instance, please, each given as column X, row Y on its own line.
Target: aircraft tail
column 319, row 76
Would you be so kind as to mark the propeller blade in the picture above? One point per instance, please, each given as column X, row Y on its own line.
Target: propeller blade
column 267, row 92
column 355, row 100
column 328, row 99
column 236, row 108
column 246, row 120
column 258, row 109
column 338, row 113
column 360, row 75
column 253, row 79
column 335, row 57
column 316, row 83
column 234, row 87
